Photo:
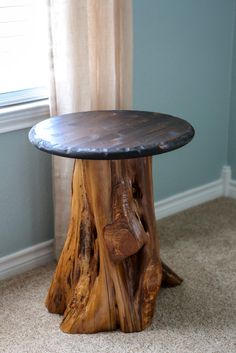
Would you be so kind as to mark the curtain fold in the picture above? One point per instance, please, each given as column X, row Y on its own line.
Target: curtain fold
column 91, row 69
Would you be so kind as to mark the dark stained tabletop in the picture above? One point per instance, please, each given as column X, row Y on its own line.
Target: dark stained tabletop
column 114, row 134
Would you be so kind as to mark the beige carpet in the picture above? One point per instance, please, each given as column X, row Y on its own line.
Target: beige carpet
column 199, row 316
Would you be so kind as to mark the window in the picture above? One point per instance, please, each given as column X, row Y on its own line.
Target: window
column 23, row 51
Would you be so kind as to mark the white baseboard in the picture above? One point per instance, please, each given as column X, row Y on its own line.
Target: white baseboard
column 26, row 259
column 232, row 188
column 187, row 199
column 224, row 186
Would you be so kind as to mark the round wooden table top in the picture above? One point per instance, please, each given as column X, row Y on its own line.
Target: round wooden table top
column 111, row 134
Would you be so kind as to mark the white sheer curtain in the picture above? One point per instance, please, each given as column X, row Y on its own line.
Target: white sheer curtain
column 91, row 68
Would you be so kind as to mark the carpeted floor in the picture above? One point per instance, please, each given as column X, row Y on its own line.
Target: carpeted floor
column 197, row 317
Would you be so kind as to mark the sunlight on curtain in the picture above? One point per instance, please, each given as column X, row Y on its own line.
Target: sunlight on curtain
column 91, row 68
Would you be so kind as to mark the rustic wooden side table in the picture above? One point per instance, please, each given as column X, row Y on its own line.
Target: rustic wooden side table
column 110, row 270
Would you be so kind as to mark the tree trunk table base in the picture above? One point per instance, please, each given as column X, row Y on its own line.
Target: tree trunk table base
column 110, row 270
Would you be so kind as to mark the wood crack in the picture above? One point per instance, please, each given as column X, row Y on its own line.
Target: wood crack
column 109, row 272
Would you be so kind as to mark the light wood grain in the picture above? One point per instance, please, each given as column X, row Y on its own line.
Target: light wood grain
column 110, row 271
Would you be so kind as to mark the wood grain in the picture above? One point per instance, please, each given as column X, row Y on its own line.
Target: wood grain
column 110, row 271
column 111, row 134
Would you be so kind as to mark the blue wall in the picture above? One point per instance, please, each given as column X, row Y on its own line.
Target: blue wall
column 232, row 127
column 182, row 66
column 25, row 194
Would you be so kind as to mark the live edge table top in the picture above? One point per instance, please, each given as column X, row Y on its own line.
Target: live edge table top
column 111, row 134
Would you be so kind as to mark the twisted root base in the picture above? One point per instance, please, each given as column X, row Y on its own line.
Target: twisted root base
column 110, row 271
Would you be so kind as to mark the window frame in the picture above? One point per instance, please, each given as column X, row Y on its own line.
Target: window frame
column 25, row 106
column 23, row 116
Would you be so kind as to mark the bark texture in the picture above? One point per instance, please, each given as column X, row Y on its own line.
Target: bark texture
column 110, row 271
